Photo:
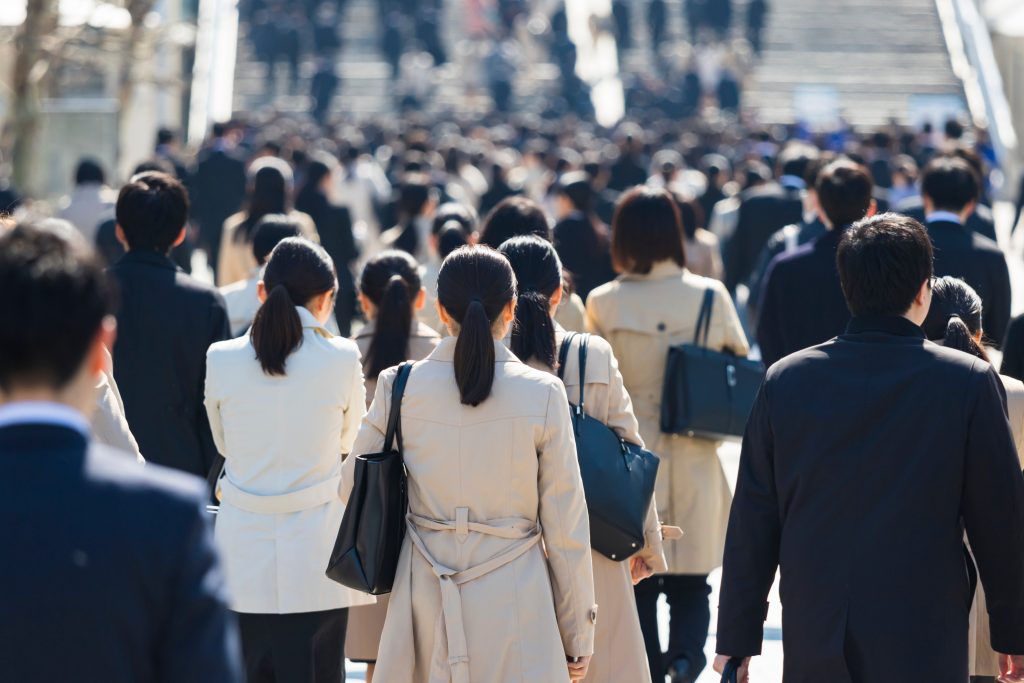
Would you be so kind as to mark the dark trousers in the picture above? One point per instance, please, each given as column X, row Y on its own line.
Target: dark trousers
column 689, row 618
column 308, row 647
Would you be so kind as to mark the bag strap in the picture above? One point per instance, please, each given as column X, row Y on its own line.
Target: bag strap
column 563, row 354
column 584, row 343
column 730, row 673
column 395, row 418
column 704, row 319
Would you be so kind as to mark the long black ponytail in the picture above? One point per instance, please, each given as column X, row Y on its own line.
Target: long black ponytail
column 539, row 276
column 474, row 286
column 297, row 271
column 391, row 282
column 955, row 316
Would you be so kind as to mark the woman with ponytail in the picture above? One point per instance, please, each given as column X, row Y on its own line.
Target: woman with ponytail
column 954, row 320
column 285, row 404
column 619, row 653
column 492, row 472
column 391, row 294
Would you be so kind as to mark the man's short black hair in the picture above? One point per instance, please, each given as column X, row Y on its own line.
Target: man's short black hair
column 883, row 261
column 576, row 186
column 950, row 183
column 55, row 296
column 165, row 136
column 88, row 172
column 795, row 158
column 270, row 230
column 151, row 210
column 219, row 130
column 844, row 192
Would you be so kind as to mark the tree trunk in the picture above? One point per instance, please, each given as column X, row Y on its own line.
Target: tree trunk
column 30, row 66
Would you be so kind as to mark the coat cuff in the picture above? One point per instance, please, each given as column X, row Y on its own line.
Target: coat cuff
column 581, row 643
column 653, row 552
column 1007, row 626
column 741, row 636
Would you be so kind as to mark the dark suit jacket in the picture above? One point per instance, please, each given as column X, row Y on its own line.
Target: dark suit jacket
column 1013, row 350
column 165, row 324
column 802, row 302
column 590, row 264
column 218, row 190
column 334, row 225
column 979, row 261
column 766, row 210
column 112, row 573
column 863, row 461
column 778, row 243
column 981, row 221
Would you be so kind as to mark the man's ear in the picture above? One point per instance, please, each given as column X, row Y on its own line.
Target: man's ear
column 102, row 346
column 181, row 237
column 872, row 209
column 421, row 300
column 119, row 234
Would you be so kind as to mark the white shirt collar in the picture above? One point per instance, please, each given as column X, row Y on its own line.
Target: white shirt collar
column 43, row 412
column 310, row 322
column 943, row 216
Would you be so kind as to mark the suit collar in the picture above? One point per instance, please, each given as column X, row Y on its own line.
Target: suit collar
column 662, row 270
column 150, row 258
column 942, row 217
column 43, row 413
column 419, row 331
column 444, row 352
column 30, row 437
column 894, row 325
column 309, row 322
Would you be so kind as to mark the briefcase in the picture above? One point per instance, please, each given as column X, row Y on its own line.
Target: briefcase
column 708, row 393
column 365, row 555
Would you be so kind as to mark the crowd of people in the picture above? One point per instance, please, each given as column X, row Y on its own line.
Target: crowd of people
column 475, row 249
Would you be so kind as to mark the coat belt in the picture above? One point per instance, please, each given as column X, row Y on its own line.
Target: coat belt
column 528, row 533
column 281, row 503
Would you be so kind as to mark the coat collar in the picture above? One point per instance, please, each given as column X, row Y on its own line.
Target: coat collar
column 150, row 258
column 309, row 322
column 894, row 325
column 444, row 352
column 419, row 330
column 662, row 270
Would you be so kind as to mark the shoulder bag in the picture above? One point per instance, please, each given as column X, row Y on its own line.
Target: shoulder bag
column 708, row 393
column 365, row 555
column 618, row 476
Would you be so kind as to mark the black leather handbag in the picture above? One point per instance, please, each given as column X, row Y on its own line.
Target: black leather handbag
column 365, row 555
column 708, row 393
column 618, row 476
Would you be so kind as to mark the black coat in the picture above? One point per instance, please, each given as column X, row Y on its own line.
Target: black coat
column 981, row 221
column 864, row 460
column 763, row 212
column 218, row 190
column 165, row 324
column 116, row 577
column 802, row 302
column 979, row 261
column 334, row 225
column 1013, row 350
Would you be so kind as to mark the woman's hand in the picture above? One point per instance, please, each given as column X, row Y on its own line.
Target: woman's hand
column 639, row 570
column 578, row 667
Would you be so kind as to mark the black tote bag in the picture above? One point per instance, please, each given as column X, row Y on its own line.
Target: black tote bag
column 365, row 555
column 708, row 393
column 618, row 476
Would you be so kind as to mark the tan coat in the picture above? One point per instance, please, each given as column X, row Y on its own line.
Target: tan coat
column 619, row 653
column 236, row 261
column 571, row 313
column 983, row 660
column 704, row 256
column 485, row 485
column 641, row 316
column 365, row 624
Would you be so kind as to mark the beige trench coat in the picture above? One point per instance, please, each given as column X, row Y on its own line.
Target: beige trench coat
column 236, row 260
column 619, row 653
column 983, row 660
column 365, row 624
column 641, row 316
column 486, row 484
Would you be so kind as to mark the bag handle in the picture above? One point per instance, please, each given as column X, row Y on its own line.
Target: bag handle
column 395, row 418
column 730, row 674
column 563, row 356
column 704, row 319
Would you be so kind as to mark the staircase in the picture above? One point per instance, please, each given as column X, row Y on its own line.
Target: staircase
column 875, row 53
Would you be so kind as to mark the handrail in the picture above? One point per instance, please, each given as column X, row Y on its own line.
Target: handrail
column 974, row 62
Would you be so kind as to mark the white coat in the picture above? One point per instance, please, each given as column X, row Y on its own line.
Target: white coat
column 283, row 439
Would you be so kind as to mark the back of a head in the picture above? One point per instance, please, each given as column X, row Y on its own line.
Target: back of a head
column 165, row 136
column 89, row 172
column 577, row 188
column 538, row 274
column 883, row 261
column 950, row 183
column 465, row 216
column 844, row 191
column 56, row 296
column 297, row 272
column 474, row 286
column 218, row 130
column 646, row 230
column 270, row 231
column 955, row 316
column 152, row 209
column 391, row 281
column 512, row 217
column 413, row 195
column 795, row 157
column 270, row 187
column 451, row 237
